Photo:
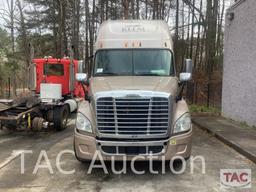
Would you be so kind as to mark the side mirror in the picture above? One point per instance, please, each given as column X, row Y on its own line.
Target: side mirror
column 81, row 77
column 188, row 69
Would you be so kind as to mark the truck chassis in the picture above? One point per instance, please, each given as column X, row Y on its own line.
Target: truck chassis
column 27, row 115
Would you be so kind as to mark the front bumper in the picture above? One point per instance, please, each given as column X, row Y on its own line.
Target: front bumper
column 179, row 145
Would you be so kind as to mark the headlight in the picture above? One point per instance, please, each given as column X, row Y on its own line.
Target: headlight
column 82, row 123
column 182, row 124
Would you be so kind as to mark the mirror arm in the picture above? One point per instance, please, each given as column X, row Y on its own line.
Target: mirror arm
column 88, row 98
column 87, row 82
column 180, row 91
column 90, row 57
column 184, row 77
column 86, row 95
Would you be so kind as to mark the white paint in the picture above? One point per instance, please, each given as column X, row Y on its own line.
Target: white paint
column 9, row 159
column 72, row 104
column 50, row 91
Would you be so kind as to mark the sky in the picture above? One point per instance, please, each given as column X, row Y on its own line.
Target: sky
column 4, row 6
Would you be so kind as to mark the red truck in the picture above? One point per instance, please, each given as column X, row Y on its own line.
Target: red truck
column 54, row 93
column 57, row 71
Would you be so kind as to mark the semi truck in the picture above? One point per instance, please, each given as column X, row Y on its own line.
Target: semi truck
column 53, row 95
column 134, row 104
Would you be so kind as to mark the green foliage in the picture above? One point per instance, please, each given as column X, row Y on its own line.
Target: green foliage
column 44, row 44
column 4, row 50
column 9, row 64
column 203, row 109
column 218, row 59
column 4, row 45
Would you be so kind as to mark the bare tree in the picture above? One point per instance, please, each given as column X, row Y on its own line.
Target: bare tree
column 192, row 30
column 137, row 9
column 126, row 8
column 76, row 27
column 10, row 4
column 176, row 31
column 24, row 35
column 198, row 41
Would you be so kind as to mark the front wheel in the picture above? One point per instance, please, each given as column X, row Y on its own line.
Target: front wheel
column 60, row 117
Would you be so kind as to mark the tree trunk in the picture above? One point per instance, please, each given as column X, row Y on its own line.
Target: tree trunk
column 87, row 21
column 92, row 32
column 126, row 9
column 137, row 9
column 146, row 7
column 54, row 30
column 133, row 9
column 101, row 10
column 107, row 11
column 11, row 13
column 25, row 43
column 188, row 37
column 182, row 55
column 75, row 28
column 192, row 31
column 198, row 38
column 219, row 34
column 176, row 34
column 211, row 17
column 155, row 9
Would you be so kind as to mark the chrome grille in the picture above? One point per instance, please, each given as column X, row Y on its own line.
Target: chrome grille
column 133, row 116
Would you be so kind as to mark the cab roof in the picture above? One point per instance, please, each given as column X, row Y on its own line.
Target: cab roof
column 64, row 60
column 133, row 34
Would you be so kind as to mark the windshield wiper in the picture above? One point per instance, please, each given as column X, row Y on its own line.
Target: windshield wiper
column 148, row 74
column 112, row 74
column 105, row 74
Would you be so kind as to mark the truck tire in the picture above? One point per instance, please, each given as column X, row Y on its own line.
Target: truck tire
column 60, row 117
column 37, row 123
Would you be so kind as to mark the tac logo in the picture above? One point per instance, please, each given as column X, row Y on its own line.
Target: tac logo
column 235, row 178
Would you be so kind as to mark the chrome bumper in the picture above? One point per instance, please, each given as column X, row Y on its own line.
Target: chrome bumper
column 179, row 145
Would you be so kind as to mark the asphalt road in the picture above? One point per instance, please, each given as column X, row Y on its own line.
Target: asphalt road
column 217, row 156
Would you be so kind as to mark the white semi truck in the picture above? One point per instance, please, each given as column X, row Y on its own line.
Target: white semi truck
column 134, row 104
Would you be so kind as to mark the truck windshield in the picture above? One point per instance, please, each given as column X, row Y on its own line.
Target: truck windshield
column 141, row 62
column 53, row 69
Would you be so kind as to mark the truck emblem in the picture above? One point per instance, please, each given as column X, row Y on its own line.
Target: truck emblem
column 132, row 95
column 133, row 28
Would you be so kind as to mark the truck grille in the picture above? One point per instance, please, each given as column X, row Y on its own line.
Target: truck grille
column 136, row 116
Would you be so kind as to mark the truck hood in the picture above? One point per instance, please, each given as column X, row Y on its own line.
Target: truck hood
column 145, row 83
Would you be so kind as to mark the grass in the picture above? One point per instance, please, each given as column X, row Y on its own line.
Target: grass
column 216, row 111
column 203, row 109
